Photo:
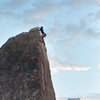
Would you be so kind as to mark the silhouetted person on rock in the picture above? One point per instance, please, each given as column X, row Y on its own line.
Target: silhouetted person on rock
column 42, row 31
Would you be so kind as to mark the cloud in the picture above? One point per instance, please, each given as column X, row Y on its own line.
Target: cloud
column 97, row 1
column 57, row 65
column 76, row 4
column 79, row 3
column 97, row 15
column 99, row 66
column 37, row 11
column 62, row 98
column 95, row 96
column 91, row 97
column 64, row 38
column 72, row 33
column 7, row 14
column 41, row 9
column 14, row 4
column 82, row 30
column 10, row 10
column 93, row 34
column 88, row 98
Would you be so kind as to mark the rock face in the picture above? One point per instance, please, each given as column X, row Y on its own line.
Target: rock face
column 24, row 69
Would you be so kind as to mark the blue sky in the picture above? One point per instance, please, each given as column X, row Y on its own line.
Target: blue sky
column 73, row 40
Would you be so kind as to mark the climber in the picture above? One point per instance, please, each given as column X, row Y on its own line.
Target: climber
column 42, row 31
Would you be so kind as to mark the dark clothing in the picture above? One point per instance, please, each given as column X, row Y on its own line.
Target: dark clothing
column 41, row 29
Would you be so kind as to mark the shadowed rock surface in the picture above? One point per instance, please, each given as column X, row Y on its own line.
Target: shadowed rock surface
column 24, row 69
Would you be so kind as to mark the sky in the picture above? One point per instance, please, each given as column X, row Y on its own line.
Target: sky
column 73, row 40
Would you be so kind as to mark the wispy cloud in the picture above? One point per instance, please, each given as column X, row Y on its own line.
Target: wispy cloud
column 72, row 33
column 82, row 30
column 99, row 66
column 62, row 98
column 97, row 15
column 14, row 4
column 36, row 11
column 40, row 9
column 97, row 1
column 57, row 65
column 95, row 96
column 91, row 97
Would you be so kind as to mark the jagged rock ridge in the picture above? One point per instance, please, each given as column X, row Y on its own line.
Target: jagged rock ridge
column 24, row 69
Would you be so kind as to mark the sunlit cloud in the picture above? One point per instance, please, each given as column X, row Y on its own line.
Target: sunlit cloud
column 99, row 66
column 57, row 65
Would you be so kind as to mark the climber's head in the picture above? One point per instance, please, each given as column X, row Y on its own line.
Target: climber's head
column 41, row 26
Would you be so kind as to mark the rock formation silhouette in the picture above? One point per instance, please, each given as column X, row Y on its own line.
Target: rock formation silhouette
column 24, row 69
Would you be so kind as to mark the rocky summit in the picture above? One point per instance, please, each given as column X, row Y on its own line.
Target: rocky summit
column 24, row 68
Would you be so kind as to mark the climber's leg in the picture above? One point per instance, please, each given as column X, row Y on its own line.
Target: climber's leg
column 42, row 38
column 44, row 35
